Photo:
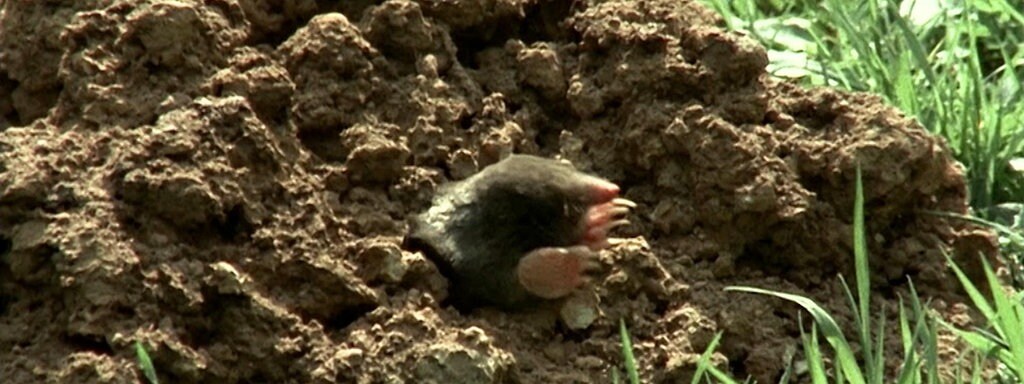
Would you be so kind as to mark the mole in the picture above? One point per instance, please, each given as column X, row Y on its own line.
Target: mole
column 524, row 230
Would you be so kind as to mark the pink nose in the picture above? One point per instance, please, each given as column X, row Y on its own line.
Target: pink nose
column 603, row 190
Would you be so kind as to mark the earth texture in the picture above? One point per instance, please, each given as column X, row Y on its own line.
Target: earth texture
column 228, row 182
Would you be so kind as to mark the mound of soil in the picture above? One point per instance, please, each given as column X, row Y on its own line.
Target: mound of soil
column 228, row 182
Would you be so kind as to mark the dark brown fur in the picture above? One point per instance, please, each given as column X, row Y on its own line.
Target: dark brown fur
column 478, row 229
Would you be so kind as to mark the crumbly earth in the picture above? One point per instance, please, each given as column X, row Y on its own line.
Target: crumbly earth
column 228, row 183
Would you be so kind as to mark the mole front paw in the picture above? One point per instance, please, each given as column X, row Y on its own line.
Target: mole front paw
column 601, row 219
column 555, row 272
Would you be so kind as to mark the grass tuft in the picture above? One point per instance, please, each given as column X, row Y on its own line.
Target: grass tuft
column 1003, row 338
column 917, row 330
column 955, row 66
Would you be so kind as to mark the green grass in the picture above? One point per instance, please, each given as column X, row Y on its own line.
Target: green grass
column 627, row 355
column 145, row 363
column 956, row 66
column 1011, row 238
column 869, row 369
column 1001, row 340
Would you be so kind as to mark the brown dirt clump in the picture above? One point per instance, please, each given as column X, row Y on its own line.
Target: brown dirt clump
column 228, row 183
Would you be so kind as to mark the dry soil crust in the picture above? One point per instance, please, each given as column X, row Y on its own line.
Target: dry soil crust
column 227, row 181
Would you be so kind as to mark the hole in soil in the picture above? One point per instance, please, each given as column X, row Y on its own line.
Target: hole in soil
column 90, row 343
column 548, row 138
column 814, row 119
column 544, row 22
column 813, row 183
column 8, row 116
column 324, row 143
column 349, row 316
column 468, row 47
column 466, row 121
column 760, row 255
column 415, row 245
column 352, row 9
column 236, row 226
column 581, row 336
column 737, row 365
column 217, row 307
column 660, row 307
column 5, row 248
column 6, row 294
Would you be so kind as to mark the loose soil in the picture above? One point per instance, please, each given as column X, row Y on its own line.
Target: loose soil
column 228, row 183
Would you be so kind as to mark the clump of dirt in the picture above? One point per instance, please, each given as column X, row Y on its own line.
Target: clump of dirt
column 228, row 182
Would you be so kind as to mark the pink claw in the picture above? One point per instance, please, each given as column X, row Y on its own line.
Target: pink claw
column 555, row 272
column 601, row 219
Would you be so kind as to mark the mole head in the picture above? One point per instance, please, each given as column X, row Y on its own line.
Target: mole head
column 550, row 179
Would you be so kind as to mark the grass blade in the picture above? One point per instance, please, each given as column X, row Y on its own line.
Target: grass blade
column 145, row 363
column 1008, row 322
column 829, row 328
column 627, row 354
column 704, row 364
column 812, row 350
column 863, row 304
